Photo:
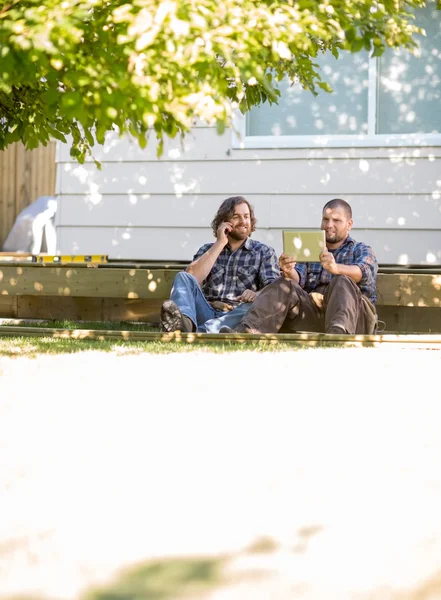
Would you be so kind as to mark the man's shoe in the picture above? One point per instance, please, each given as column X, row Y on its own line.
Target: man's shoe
column 336, row 329
column 172, row 318
column 226, row 329
column 241, row 328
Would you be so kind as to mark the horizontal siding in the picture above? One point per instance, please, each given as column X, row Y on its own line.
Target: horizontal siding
column 411, row 211
column 205, row 144
column 148, row 211
column 137, row 206
column 162, row 243
column 199, row 144
column 255, row 177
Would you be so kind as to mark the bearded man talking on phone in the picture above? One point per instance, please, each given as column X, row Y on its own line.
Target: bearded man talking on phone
column 218, row 287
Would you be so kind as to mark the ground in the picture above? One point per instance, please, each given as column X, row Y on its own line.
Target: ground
column 310, row 475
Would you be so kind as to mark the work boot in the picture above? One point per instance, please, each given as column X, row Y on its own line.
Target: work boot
column 241, row 328
column 172, row 318
column 336, row 329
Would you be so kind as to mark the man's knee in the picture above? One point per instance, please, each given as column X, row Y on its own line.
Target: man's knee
column 343, row 282
column 287, row 286
column 184, row 278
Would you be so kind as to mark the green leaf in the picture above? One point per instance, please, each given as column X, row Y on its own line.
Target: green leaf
column 324, row 86
column 57, row 135
column 220, row 127
column 70, row 69
column 378, row 51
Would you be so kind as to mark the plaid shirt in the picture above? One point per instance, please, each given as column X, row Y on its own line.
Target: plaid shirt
column 250, row 267
column 313, row 278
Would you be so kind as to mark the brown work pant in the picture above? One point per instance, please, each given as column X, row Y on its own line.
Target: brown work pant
column 285, row 306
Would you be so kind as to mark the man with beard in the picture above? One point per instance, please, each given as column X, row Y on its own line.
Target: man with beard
column 335, row 295
column 225, row 277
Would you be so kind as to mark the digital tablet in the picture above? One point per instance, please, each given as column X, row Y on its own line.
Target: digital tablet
column 304, row 245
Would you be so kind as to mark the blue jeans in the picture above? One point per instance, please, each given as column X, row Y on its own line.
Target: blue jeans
column 188, row 295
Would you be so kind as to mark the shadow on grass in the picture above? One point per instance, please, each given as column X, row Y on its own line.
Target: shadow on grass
column 168, row 579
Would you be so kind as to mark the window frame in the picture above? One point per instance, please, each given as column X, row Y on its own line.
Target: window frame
column 241, row 140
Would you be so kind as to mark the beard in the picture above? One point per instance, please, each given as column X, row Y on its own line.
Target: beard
column 240, row 234
column 334, row 238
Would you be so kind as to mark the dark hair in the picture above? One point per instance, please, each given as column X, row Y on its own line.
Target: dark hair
column 338, row 202
column 226, row 211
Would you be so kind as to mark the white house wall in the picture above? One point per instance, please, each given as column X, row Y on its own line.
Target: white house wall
column 138, row 206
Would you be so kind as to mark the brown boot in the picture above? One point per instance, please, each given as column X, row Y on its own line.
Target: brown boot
column 172, row 319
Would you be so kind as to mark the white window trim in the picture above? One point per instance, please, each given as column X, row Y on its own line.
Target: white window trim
column 370, row 140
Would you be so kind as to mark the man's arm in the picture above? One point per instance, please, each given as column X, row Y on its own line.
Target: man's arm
column 201, row 267
column 287, row 266
column 363, row 269
column 328, row 263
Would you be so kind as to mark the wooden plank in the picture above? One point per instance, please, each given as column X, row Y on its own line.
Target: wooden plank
column 397, row 319
column 8, row 307
column 304, row 339
column 82, row 309
column 43, row 170
column 25, row 175
column 59, row 308
column 406, row 302
column 21, row 178
column 393, row 289
column 121, row 309
column 337, row 178
column 409, row 290
column 7, row 192
column 410, row 319
column 83, row 282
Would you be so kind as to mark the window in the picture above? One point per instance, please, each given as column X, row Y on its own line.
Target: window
column 387, row 100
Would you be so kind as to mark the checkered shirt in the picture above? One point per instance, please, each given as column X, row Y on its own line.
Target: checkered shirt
column 313, row 278
column 251, row 267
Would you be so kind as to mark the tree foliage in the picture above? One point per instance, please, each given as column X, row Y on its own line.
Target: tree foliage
column 84, row 67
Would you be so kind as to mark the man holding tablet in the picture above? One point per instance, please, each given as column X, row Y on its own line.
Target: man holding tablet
column 335, row 295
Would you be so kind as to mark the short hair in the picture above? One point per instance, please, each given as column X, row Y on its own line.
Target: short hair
column 226, row 211
column 338, row 202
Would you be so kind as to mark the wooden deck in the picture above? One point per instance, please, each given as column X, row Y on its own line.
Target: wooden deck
column 409, row 300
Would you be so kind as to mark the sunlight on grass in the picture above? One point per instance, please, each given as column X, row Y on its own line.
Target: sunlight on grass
column 32, row 347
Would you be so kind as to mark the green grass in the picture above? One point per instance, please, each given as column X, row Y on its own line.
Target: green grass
column 32, row 347
column 100, row 325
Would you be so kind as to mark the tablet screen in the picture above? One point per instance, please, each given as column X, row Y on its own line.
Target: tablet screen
column 304, row 245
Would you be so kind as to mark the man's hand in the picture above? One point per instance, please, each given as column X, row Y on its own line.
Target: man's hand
column 287, row 265
column 328, row 262
column 222, row 232
column 248, row 296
